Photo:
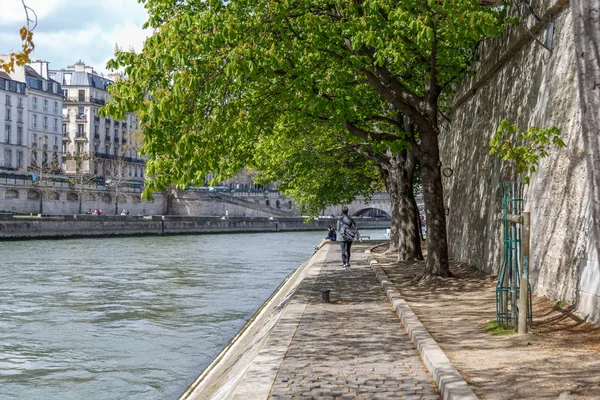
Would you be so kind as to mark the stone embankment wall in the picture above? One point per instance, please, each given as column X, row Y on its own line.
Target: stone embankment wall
column 521, row 81
column 63, row 226
column 62, row 200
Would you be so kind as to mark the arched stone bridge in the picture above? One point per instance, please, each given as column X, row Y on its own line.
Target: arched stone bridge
column 378, row 206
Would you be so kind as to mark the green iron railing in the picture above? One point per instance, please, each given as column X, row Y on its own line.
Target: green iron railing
column 507, row 287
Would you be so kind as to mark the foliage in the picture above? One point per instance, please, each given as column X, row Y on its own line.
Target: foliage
column 21, row 57
column 218, row 77
column 313, row 168
column 535, row 145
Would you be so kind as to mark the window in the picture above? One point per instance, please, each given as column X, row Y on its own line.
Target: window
column 7, row 116
column 20, row 117
column 65, row 130
column 80, row 130
column 80, row 111
column 34, row 121
column 45, row 105
column 20, row 135
column 55, row 142
column 8, row 100
column 45, row 123
column 64, row 148
column 6, row 133
column 81, row 95
column 79, row 148
column 65, row 93
column 19, row 159
column 34, row 104
column 20, row 102
column 56, row 107
column 8, row 158
column 55, row 124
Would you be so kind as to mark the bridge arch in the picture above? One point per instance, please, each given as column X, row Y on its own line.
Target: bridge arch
column 371, row 212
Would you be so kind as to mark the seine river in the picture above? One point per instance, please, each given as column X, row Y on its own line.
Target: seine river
column 131, row 318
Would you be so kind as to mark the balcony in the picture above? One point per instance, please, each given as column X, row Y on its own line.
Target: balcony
column 81, row 137
column 116, row 123
column 65, row 118
column 97, row 101
column 8, row 103
column 81, row 117
column 96, row 136
column 124, row 125
column 107, row 138
column 20, row 121
column 97, row 119
column 20, row 105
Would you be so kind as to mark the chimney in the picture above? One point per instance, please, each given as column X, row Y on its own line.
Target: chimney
column 41, row 67
column 79, row 66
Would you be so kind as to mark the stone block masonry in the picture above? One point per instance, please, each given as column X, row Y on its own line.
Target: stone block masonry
column 64, row 226
column 521, row 81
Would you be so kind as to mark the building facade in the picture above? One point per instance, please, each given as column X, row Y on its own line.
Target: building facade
column 14, row 151
column 45, row 102
column 93, row 145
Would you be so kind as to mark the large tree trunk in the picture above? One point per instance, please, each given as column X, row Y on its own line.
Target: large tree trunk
column 397, row 172
column 586, row 23
column 433, row 195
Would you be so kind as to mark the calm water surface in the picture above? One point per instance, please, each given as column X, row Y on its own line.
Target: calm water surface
column 131, row 318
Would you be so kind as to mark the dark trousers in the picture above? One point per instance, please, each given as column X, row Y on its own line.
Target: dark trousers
column 345, row 251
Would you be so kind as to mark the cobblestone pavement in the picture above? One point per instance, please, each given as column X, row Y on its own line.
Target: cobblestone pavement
column 353, row 347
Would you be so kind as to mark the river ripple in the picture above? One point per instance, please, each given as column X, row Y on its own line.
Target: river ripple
column 131, row 318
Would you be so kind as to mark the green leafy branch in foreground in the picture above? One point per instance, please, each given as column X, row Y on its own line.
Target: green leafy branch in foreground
column 535, row 145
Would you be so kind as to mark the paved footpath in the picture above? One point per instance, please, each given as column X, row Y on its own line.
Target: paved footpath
column 353, row 347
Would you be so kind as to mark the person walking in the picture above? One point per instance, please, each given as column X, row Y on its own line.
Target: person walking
column 349, row 232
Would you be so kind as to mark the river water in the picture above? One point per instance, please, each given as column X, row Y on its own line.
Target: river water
column 135, row 317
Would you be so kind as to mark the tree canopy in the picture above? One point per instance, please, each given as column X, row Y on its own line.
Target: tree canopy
column 218, row 79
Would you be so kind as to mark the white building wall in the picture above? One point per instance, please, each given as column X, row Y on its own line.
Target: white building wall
column 45, row 122
column 13, row 133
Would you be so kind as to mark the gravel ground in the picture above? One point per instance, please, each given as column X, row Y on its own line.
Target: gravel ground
column 560, row 359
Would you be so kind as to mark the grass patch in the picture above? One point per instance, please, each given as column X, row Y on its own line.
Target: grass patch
column 493, row 328
column 560, row 305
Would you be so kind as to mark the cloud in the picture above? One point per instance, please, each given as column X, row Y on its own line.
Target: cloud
column 69, row 31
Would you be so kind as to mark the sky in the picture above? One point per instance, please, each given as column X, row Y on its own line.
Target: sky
column 73, row 30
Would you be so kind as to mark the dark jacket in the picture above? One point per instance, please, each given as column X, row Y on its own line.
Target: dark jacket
column 331, row 235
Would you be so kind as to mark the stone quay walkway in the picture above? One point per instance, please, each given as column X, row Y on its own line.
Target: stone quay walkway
column 300, row 347
column 354, row 347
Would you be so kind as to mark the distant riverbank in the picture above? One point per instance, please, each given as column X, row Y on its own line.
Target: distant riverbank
column 65, row 226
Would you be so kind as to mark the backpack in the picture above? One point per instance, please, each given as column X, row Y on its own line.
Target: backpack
column 349, row 231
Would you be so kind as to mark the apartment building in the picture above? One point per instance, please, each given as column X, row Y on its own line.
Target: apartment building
column 92, row 144
column 45, row 102
column 14, row 152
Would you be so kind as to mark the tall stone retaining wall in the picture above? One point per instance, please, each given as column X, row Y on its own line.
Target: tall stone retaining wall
column 521, row 81
column 62, row 200
column 65, row 226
